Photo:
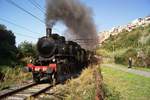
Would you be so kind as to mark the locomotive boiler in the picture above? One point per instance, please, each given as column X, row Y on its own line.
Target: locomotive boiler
column 57, row 57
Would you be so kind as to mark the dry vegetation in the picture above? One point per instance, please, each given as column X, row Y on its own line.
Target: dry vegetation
column 13, row 76
column 81, row 88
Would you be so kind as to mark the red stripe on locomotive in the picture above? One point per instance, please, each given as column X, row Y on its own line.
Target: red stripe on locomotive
column 53, row 67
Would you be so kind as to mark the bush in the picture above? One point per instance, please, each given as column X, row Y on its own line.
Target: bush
column 143, row 57
column 119, row 59
column 102, row 52
column 27, row 49
column 123, row 58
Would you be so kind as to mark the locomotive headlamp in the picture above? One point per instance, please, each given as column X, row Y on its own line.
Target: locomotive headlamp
column 30, row 61
column 54, row 60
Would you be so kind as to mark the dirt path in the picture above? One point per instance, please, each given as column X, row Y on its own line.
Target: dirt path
column 134, row 71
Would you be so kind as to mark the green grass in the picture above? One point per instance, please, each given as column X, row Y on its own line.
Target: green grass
column 128, row 86
column 143, row 69
column 133, row 67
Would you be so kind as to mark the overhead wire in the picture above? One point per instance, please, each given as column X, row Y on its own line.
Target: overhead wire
column 25, row 35
column 36, row 5
column 19, row 7
column 19, row 27
column 22, row 27
column 16, row 5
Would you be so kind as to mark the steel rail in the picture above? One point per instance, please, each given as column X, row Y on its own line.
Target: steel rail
column 13, row 91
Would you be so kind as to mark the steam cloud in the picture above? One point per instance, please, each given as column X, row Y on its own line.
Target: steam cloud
column 75, row 15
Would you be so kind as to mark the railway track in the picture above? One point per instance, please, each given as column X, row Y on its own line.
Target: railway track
column 25, row 92
column 31, row 90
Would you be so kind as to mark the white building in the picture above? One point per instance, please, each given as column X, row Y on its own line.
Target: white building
column 129, row 27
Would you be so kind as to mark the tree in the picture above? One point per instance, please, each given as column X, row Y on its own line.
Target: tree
column 27, row 49
column 8, row 50
column 2, row 27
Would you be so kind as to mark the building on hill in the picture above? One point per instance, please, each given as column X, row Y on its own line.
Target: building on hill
column 129, row 27
column 147, row 19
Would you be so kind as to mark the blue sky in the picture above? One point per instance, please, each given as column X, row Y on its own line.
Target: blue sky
column 106, row 14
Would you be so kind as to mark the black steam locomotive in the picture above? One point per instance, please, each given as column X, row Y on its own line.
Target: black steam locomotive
column 56, row 57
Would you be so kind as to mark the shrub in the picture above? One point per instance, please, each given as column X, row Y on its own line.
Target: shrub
column 119, row 59
column 27, row 49
column 123, row 58
column 102, row 52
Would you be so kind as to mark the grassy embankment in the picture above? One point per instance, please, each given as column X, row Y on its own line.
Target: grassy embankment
column 125, row 86
column 135, row 44
column 12, row 76
column 80, row 88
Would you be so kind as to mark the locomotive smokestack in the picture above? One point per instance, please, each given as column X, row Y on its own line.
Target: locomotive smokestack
column 76, row 16
column 48, row 31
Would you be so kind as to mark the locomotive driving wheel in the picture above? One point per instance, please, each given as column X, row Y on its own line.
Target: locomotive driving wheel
column 36, row 77
column 56, row 77
column 49, row 77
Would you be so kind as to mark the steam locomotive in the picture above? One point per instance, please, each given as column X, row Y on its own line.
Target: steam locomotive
column 57, row 57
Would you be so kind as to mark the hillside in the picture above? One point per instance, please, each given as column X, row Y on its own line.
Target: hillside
column 134, row 43
column 139, row 22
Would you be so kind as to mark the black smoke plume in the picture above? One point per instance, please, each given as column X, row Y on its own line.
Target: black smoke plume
column 75, row 15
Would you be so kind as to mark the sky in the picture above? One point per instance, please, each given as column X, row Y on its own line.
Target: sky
column 106, row 14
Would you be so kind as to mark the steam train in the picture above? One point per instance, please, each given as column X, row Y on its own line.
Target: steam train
column 57, row 57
